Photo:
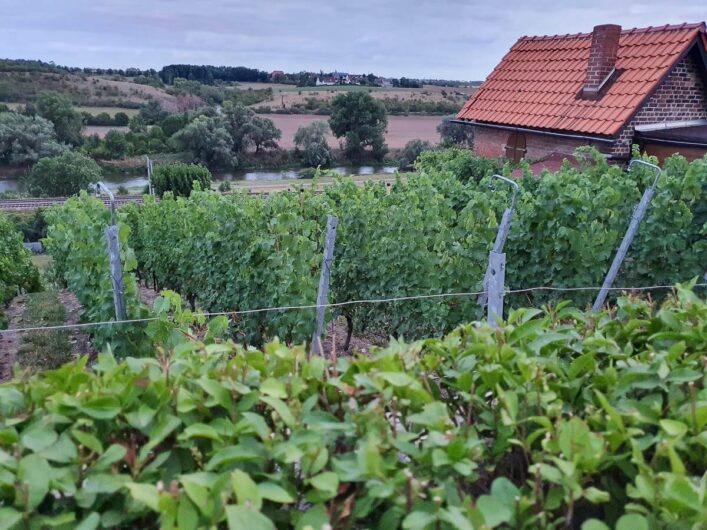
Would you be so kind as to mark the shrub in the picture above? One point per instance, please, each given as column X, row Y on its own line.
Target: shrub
column 455, row 134
column 179, row 178
column 412, row 150
column 311, row 143
column 559, row 419
column 121, row 119
column 17, row 272
column 26, row 139
column 62, row 175
column 224, row 186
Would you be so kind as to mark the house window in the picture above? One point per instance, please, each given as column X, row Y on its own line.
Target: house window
column 515, row 147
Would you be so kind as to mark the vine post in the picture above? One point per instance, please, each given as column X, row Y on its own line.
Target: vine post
column 638, row 213
column 323, row 291
column 116, row 272
column 495, row 286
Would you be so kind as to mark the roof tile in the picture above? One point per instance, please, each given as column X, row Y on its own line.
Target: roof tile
column 537, row 83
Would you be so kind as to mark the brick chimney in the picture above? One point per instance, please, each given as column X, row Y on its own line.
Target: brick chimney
column 602, row 59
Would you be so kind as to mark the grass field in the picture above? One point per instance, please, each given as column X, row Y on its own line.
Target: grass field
column 109, row 110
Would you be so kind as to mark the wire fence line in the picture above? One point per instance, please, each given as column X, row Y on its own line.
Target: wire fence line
column 340, row 304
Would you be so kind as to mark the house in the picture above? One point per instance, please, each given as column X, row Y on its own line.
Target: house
column 610, row 88
column 326, row 80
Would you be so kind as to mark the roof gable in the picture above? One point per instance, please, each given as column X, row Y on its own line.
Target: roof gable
column 537, row 83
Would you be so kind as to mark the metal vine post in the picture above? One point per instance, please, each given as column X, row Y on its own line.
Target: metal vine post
column 113, row 247
column 638, row 213
column 323, row 291
column 494, row 278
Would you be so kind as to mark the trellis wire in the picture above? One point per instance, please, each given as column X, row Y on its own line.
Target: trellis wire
column 343, row 304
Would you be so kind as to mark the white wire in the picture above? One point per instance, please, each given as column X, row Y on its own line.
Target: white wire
column 341, row 304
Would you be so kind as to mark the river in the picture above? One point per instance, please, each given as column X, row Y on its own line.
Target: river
column 135, row 183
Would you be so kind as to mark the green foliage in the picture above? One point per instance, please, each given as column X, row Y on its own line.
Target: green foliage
column 250, row 96
column 151, row 112
column 405, row 107
column 62, row 175
column 428, row 235
column 77, row 243
column 312, row 146
column 58, row 109
column 360, row 120
column 179, row 179
column 121, row 119
column 462, row 164
column 455, row 134
column 208, row 141
column 115, row 145
column 412, row 150
column 44, row 350
column 31, row 223
column 224, row 186
column 173, row 123
column 26, row 139
column 262, row 133
column 559, row 419
column 17, row 272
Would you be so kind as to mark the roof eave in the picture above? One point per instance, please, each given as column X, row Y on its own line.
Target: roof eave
column 575, row 135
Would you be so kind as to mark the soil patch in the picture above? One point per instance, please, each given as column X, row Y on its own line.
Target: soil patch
column 335, row 338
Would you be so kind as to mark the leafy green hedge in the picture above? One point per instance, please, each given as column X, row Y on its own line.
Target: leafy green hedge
column 179, row 178
column 16, row 268
column 558, row 419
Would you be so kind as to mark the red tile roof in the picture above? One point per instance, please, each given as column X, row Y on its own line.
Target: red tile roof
column 537, row 83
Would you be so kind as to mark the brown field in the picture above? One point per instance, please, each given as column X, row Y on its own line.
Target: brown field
column 401, row 129
column 287, row 95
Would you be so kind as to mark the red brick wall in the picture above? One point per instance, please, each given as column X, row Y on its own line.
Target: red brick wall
column 682, row 96
column 490, row 143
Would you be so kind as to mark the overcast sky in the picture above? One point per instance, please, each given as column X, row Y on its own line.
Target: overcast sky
column 451, row 39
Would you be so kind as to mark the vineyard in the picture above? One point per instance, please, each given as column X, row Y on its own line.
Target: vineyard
column 428, row 235
column 558, row 419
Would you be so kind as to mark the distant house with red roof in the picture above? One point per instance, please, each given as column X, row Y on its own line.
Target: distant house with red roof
column 610, row 88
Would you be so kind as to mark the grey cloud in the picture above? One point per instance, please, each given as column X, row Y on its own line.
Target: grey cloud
column 460, row 39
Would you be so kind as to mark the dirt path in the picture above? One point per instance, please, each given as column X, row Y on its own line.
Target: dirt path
column 10, row 343
column 79, row 339
column 335, row 338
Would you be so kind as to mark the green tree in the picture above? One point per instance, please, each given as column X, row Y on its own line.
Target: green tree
column 62, row 175
column 455, row 134
column 412, row 150
column 173, row 123
column 152, row 112
column 361, row 121
column 58, row 109
column 121, row 119
column 262, row 133
column 209, row 142
column 312, row 146
column 26, row 139
column 237, row 120
column 179, row 178
column 115, row 145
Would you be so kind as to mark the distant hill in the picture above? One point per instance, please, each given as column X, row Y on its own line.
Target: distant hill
column 21, row 81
